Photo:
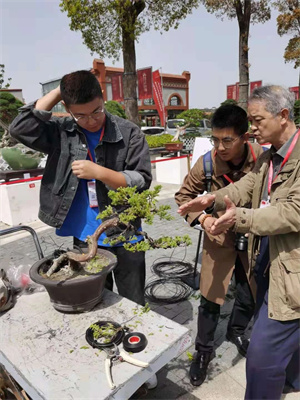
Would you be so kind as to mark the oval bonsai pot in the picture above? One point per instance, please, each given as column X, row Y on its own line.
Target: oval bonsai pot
column 174, row 146
column 74, row 295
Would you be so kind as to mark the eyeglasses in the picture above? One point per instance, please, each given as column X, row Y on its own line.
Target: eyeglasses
column 227, row 142
column 96, row 115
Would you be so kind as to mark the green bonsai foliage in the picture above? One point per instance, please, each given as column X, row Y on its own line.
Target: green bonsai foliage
column 144, row 206
column 127, row 205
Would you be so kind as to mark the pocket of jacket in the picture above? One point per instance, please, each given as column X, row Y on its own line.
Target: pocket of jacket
column 292, row 281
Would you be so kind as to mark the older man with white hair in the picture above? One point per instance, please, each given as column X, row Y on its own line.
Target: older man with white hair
column 273, row 224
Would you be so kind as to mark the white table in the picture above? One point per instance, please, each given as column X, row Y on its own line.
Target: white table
column 41, row 348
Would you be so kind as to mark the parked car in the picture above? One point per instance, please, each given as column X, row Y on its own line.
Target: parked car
column 152, row 130
column 204, row 126
column 171, row 126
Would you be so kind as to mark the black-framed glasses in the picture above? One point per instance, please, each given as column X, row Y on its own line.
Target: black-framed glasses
column 96, row 115
column 226, row 142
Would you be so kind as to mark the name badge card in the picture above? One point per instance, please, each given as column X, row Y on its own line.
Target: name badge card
column 91, row 185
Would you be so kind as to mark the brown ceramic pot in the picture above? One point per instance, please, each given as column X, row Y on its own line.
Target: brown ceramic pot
column 74, row 295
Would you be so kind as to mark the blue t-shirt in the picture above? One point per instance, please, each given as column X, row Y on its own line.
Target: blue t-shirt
column 81, row 221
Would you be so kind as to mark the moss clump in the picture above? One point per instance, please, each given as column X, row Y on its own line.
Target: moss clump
column 97, row 264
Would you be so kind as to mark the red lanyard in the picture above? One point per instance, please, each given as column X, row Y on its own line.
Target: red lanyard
column 270, row 179
column 101, row 137
column 254, row 158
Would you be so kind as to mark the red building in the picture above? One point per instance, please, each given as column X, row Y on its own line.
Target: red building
column 175, row 92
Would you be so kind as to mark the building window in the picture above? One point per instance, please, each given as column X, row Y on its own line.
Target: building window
column 148, row 102
column 175, row 101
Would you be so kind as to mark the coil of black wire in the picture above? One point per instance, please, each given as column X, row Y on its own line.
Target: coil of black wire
column 172, row 269
column 167, row 290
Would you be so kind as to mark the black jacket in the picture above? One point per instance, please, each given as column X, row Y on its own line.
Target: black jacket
column 123, row 149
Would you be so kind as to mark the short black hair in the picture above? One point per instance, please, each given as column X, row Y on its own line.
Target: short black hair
column 230, row 116
column 80, row 87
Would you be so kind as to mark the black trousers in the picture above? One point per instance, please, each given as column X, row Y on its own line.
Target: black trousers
column 209, row 312
column 129, row 273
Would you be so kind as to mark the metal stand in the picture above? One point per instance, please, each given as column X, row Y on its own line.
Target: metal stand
column 31, row 231
column 193, row 280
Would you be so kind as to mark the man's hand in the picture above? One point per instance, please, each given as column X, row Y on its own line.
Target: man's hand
column 208, row 223
column 227, row 220
column 198, row 204
column 85, row 169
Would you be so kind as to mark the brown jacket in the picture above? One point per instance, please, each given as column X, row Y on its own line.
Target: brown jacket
column 219, row 254
column 280, row 221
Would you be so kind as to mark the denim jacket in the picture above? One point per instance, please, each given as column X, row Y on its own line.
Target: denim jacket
column 123, row 149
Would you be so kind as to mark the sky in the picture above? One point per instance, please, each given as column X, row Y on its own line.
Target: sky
column 37, row 45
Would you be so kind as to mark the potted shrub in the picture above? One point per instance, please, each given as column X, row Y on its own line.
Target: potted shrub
column 74, row 281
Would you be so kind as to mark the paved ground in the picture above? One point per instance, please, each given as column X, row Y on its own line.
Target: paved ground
column 226, row 377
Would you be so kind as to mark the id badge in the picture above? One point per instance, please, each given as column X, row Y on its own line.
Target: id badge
column 265, row 203
column 91, row 185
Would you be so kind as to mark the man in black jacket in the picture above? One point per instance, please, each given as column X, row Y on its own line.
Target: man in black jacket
column 89, row 153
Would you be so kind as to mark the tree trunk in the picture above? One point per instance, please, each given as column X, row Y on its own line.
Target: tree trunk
column 129, row 78
column 299, row 86
column 244, row 24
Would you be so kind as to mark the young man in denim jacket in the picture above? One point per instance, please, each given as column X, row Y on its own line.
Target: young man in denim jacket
column 89, row 153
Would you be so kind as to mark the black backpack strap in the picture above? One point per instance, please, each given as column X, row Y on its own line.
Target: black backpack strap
column 208, row 169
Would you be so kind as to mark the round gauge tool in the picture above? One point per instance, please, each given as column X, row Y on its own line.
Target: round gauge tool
column 135, row 342
column 104, row 334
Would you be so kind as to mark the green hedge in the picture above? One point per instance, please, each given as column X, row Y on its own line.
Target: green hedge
column 158, row 140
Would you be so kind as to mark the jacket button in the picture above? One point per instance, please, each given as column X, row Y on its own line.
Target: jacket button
column 271, row 314
column 84, row 146
column 72, row 188
column 243, row 221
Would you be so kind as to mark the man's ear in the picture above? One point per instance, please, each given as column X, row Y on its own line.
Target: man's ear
column 246, row 136
column 284, row 113
column 64, row 104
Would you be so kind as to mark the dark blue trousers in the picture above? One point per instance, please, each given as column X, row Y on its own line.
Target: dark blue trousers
column 273, row 357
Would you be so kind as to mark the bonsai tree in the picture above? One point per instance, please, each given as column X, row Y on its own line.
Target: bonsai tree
column 126, row 206
column 9, row 106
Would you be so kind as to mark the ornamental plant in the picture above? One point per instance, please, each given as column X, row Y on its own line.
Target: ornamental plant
column 127, row 205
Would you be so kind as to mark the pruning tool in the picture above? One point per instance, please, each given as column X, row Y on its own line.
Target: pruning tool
column 114, row 354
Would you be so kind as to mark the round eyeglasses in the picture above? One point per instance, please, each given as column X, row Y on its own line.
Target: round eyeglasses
column 227, row 143
column 96, row 115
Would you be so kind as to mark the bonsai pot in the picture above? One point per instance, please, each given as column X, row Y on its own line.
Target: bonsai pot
column 174, row 146
column 73, row 294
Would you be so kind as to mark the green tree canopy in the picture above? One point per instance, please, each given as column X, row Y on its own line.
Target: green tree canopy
column 288, row 23
column 246, row 12
column 192, row 116
column 2, row 72
column 115, row 108
column 297, row 112
column 229, row 102
column 110, row 27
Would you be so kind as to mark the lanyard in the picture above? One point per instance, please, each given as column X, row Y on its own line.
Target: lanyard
column 254, row 158
column 270, row 179
column 101, row 137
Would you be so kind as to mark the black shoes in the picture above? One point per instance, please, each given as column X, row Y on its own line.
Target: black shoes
column 241, row 342
column 198, row 368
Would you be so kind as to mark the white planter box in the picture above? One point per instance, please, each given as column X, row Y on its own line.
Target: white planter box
column 19, row 202
column 171, row 171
